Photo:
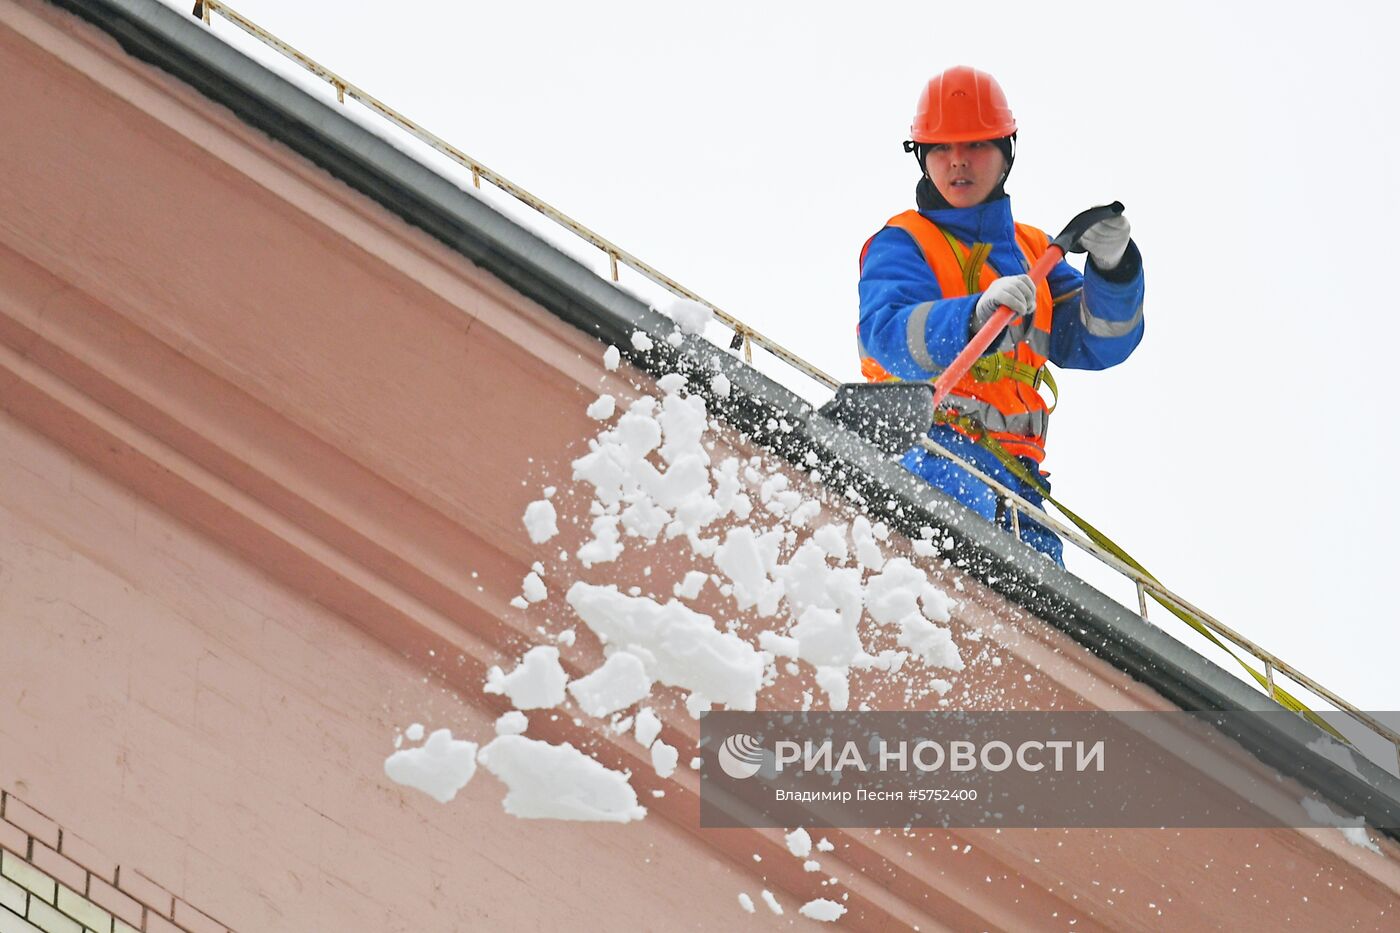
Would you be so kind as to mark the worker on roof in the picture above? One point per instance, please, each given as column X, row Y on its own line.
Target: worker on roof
column 932, row 277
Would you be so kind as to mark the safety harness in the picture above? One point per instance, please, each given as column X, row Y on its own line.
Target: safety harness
column 1001, row 391
column 999, row 365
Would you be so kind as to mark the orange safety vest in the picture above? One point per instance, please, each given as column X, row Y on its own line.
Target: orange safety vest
column 1012, row 412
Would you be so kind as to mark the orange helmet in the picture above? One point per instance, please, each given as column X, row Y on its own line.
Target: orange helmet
column 962, row 105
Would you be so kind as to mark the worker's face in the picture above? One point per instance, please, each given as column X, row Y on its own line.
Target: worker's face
column 965, row 173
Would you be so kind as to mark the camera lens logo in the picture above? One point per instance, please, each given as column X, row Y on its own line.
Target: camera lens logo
column 741, row 756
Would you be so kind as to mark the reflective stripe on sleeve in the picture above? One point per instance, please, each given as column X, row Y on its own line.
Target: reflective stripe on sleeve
column 916, row 335
column 1103, row 327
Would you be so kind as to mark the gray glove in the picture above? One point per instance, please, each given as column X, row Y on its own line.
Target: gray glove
column 1017, row 292
column 1107, row 241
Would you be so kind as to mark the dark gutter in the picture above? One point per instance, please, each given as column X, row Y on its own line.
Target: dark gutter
column 758, row 407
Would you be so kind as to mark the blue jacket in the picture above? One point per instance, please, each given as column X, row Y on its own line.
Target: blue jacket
column 1097, row 324
column 1098, row 332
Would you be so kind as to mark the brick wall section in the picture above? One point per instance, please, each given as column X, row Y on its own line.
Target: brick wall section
column 52, row 881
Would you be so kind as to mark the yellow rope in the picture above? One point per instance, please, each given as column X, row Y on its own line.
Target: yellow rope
column 1018, row 469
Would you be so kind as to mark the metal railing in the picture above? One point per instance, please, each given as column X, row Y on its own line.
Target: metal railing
column 746, row 337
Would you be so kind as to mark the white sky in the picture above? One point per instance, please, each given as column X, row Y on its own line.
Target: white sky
column 1244, row 452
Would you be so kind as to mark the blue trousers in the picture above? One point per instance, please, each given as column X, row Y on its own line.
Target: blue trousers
column 977, row 495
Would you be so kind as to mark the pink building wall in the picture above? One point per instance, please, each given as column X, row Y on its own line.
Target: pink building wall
column 264, row 449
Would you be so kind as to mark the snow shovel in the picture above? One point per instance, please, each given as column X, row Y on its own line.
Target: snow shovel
column 888, row 414
column 891, row 415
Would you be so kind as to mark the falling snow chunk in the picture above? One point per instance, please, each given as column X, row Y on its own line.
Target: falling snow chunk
column 894, row 592
column 799, row 843
column 697, row 705
column 439, row 768
column 746, row 902
column 826, row 638
column 804, row 513
column 641, row 341
column 688, row 649
column 682, row 419
column 671, row 383
column 664, row 758
column 603, row 408
column 890, row 660
column 719, row 384
column 835, row 681
column 537, row 683
column 648, row 727
column 937, row 605
column 540, row 521
column 747, row 559
column 620, row 682
column 605, row 546
column 832, row 540
column 414, row 733
column 785, row 503
column 533, row 587
column 644, row 519
column 611, row 357
column 519, row 603
column 868, row 552
column 780, row 645
column 824, row 845
column 512, row 723
column 811, row 865
column 690, row 316
column 822, row 909
column 930, row 642
column 558, row 782
column 689, row 588
column 772, row 902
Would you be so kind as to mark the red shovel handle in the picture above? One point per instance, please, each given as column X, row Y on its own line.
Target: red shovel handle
column 989, row 332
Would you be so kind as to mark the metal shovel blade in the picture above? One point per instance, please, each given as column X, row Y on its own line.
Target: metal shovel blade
column 890, row 415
